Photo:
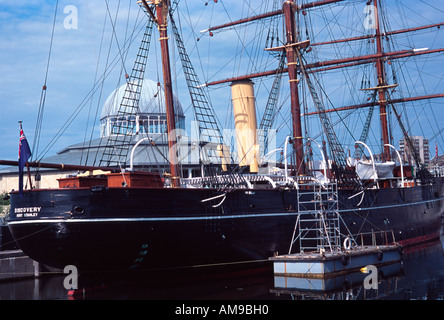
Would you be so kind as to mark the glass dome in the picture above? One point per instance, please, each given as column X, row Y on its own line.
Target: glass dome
column 150, row 117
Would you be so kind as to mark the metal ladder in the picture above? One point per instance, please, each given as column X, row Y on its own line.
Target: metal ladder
column 318, row 223
column 116, row 150
column 208, row 127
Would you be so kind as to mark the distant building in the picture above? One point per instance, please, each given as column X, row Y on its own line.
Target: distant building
column 422, row 147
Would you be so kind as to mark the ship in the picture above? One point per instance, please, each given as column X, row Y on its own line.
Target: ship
column 240, row 209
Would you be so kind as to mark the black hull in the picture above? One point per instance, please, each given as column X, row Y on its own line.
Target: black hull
column 124, row 228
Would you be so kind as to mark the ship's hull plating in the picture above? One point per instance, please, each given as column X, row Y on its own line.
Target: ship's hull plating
column 120, row 228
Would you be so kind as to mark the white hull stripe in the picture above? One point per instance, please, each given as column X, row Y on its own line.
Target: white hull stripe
column 240, row 216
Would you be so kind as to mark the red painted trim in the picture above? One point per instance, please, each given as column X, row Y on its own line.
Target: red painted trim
column 421, row 239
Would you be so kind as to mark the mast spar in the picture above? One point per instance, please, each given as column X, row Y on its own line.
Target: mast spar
column 382, row 83
column 292, row 39
column 161, row 18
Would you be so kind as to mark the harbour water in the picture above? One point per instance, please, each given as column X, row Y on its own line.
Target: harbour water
column 420, row 276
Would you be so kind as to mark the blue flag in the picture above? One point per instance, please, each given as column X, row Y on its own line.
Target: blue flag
column 24, row 155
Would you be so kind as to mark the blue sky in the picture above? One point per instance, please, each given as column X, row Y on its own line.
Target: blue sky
column 25, row 33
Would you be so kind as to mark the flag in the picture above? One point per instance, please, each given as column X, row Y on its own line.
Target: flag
column 24, row 155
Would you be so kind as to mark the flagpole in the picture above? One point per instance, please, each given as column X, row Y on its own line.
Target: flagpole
column 27, row 164
column 24, row 155
column 20, row 167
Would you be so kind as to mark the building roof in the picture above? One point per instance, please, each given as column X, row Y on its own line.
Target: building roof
column 147, row 154
column 152, row 101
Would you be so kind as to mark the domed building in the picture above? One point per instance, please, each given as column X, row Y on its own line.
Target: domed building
column 150, row 117
column 147, row 123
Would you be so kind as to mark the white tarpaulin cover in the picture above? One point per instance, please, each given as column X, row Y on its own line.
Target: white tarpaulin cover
column 365, row 170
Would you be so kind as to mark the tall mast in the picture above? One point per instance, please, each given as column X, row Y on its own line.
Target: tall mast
column 381, row 86
column 292, row 39
column 162, row 8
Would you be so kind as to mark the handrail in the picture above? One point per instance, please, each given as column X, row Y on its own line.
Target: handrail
column 400, row 162
column 323, row 158
column 134, row 149
column 285, row 158
column 371, row 156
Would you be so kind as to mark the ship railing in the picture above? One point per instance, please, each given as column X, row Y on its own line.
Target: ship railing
column 211, row 181
column 250, row 181
column 349, row 242
column 245, row 181
column 355, row 242
column 375, row 238
column 393, row 182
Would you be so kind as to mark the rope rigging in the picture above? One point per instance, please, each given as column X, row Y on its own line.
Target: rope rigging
column 38, row 127
column 252, row 60
column 139, row 26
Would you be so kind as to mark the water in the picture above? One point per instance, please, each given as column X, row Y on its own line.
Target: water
column 420, row 276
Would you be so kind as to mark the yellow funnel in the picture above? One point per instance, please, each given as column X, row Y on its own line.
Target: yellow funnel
column 245, row 123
